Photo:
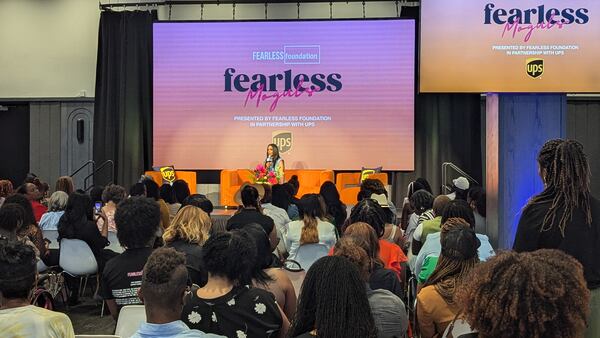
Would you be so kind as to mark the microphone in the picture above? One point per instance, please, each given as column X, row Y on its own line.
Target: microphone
column 269, row 159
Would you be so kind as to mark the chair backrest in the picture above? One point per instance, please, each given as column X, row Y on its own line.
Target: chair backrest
column 309, row 253
column 52, row 235
column 114, row 242
column 96, row 336
column 130, row 318
column 76, row 257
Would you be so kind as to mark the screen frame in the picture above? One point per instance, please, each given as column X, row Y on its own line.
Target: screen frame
column 416, row 74
column 420, row 52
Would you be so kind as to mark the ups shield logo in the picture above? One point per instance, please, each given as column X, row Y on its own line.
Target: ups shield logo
column 535, row 68
column 168, row 174
column 283, row 140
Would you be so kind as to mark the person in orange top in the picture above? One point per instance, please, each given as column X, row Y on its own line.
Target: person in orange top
column 370, row 212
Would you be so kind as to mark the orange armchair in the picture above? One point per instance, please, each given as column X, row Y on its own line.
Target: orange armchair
column 188, row 176
column 348, row 185
column 310, row 180
column 231, row 181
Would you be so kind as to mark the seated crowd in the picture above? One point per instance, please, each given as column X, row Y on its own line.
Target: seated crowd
column 425, row 269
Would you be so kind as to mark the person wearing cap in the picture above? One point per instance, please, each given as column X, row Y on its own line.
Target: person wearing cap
column 435, row 302
column 249, row 197
column 461, row 188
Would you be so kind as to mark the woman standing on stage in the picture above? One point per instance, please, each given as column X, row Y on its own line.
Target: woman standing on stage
column 274, row 163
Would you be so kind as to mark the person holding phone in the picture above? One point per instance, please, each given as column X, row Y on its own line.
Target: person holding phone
column 274, row 162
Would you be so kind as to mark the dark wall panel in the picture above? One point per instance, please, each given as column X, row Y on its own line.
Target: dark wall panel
column 14, row 142
column 583, row 121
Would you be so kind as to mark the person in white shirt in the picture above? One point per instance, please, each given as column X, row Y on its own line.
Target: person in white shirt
column 280, row 218
column 18, row 278
column 312, row 228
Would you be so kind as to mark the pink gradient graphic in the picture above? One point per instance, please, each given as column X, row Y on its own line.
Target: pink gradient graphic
column 372, row 115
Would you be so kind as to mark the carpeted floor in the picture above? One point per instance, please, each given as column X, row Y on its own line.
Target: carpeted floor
column 86, row 318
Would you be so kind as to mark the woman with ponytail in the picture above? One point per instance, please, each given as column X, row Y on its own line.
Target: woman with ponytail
column 312, row 227
column 565, row 216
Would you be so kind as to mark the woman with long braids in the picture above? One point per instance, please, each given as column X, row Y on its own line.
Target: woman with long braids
column 330, row 309
column 436, row 307
column 565, row 216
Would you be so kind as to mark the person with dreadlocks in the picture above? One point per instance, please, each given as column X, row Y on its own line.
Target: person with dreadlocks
column 388, row 309
column 436, row 307
column 534, row 295
column 330, row 309
column 565, row 216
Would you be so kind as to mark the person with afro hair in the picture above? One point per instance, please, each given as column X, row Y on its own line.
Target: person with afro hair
column 537, row 294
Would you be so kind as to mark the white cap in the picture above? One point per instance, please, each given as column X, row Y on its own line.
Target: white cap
column 461, row 183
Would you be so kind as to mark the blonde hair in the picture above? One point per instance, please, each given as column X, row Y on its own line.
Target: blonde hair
column 191, row 224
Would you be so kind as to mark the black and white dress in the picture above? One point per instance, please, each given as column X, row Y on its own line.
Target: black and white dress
column 242, row 313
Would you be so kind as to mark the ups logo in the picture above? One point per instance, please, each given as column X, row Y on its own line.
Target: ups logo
column 283, row 140
column 168, row 174
column 535, row 67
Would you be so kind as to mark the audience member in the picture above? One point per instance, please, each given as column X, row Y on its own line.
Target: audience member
column 199, row 201
column 137, row 220
column 162, row 291
column 282, row 198
column 424, row 185
column 78, row 223
column 436, row 307
column 274, row 280
column 312, row 228
column 56, row 208
column 329, row 308
column 380, row 278
column 294, row 183
column 534, row 295
column 167, row 194
column 565, row 216
column 6, row 189
column 372, row 186
column 336, row 209
column 428, row 255
column 96, row 194
column 460, row 188
column 388, row 310
column 33, row 195
column 11, row 220
column 29, row 230
column 152, row 191
column 227, row 305
column 181, row 189
column 187, row 233
column 422, row 205
column 430, row 226
column 18, row 278
column 65, row 184
column 476, row 200
column 407, row 209
column 138, row 189
column 111, row 197
column 249, row 197
column 392, row 232
column 370, row 212
column 280, row 218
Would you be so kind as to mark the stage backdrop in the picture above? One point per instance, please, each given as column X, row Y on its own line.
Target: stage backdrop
column 331, row 94
column 510, row 46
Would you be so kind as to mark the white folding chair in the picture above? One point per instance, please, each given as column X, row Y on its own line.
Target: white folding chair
column 41, row 267
column 77, row 259
column 96, row 336
column 114, row 242
column 309, row 253
column 130, row 319
column 52, row 235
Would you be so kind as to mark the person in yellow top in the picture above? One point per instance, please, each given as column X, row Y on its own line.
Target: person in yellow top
column 18, row 278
